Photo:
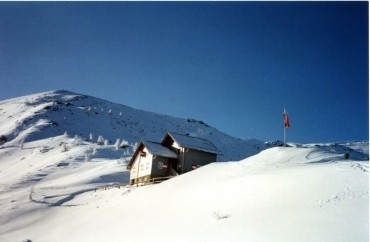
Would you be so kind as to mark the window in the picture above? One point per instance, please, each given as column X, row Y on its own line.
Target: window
column 160, row 165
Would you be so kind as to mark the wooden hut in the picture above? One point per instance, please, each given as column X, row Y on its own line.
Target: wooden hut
column 176, row 154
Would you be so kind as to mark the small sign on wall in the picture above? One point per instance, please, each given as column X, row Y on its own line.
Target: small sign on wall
column 162, row 166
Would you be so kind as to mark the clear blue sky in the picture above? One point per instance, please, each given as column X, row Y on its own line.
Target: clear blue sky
column 233, row 65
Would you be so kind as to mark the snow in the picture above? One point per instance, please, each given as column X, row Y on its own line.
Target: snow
column 281, row 194
column 49, row 191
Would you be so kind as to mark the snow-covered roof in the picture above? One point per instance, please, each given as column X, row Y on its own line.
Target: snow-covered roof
column 158, row 149
column 195, row 143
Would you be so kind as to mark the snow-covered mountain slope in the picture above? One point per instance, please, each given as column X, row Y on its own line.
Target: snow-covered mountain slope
column 300, row 193
column 50, row 114
column 53, row 181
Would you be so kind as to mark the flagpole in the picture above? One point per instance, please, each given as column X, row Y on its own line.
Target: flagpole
column 284, row 136
column 286, row 124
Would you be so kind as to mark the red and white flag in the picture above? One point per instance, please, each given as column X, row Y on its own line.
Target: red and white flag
column 286, row 119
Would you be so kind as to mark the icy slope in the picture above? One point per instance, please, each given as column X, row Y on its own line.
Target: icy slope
column 50, row 114
column 305, row 193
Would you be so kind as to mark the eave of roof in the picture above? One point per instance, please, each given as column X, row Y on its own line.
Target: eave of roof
column 159, row 150
column 133, row 157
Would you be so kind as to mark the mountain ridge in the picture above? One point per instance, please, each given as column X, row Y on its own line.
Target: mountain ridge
column 48, row 114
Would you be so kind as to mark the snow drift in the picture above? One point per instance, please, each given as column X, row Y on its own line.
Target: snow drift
column 281, row 194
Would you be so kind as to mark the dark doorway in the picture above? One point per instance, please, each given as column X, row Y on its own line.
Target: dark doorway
column 173, row 164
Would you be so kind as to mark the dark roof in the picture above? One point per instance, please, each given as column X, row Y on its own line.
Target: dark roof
column 158, row 149
column 194, row 143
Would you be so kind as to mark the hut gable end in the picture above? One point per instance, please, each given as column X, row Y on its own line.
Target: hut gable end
column 154, row 148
